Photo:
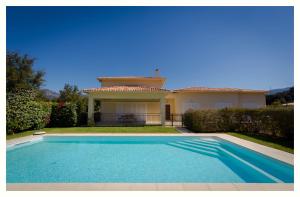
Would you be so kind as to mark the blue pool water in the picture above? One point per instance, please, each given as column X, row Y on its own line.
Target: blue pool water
column 141, row 159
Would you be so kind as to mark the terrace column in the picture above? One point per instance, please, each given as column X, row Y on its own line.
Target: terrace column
column 163, row 110
column 91, row 110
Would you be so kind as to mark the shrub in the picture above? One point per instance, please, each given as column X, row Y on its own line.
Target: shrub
column 81, row 110
column 280, row 121
column 82, row 119
column 238, row 120
column 187, row 119
column 63, row 115
column 277, row 122
column 23, row 113
column 204, row 120
column 40, row 114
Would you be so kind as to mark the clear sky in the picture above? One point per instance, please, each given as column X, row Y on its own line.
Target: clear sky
column 241, row 47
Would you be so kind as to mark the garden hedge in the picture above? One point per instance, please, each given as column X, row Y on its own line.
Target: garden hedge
column 63, row 115
column 273, row 121
column 24, row 113
column 82, row 119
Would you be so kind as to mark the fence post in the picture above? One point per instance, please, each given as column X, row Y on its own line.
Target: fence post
column 172, row 118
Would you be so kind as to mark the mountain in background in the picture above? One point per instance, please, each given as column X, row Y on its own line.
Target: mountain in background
column 280, row 96
column 49, row 94
column 275, row 91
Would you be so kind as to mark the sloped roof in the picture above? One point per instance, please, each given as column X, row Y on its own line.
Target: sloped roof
column 131, row 78
column 206, row 89
column 154, row 89
column 125, row 89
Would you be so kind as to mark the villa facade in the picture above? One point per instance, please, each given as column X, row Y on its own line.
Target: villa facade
column 146, row 101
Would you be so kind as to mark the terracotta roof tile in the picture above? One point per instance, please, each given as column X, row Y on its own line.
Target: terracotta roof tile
column 154, row 89
column 131, row 78
column 206, row 89
column 125, row 89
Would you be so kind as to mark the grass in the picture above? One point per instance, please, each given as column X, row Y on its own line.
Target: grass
column 277, row 143
column 17, row 135
column 137, row 130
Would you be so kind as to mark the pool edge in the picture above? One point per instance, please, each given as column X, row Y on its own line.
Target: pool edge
column 150, row 187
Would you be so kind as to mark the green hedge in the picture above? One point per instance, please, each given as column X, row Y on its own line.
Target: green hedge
column 277, row 122
column 82, row 119
column 63, row 115
column 23, row 113
column 81, row 110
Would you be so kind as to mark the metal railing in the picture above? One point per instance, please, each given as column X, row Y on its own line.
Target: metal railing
column 136, row 119
column 176, row 120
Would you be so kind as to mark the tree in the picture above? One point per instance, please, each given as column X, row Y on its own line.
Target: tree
column 20, row 73
column 69, row 94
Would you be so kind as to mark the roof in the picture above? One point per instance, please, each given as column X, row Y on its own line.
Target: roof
column 131, row 78
column 125, row 89
column 206, row 89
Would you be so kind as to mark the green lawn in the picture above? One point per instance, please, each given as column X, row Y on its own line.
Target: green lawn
column 145, row 129
column 17, row 135
column 277, row 143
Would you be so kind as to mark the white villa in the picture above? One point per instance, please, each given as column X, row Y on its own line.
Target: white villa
column 145, row 100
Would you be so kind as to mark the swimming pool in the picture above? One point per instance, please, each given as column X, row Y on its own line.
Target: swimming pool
column 141, row 159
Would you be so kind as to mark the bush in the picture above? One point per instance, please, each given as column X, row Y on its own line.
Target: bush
column 204, row 120
column 63, row 115
column 82, row 119
column 40, row 114
column 277, row 122
column 81, row 110
column 246, row 120
column 280, row 120
column 23, row 113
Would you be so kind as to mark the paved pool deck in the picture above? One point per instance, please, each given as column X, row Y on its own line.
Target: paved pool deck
column 271, row 152
column 150, row 187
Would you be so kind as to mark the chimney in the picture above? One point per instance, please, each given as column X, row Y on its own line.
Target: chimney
column 157, row 72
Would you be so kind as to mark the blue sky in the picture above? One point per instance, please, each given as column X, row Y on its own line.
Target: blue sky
column 241, row 47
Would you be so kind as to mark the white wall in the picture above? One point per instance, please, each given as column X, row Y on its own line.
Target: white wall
column 185, row 101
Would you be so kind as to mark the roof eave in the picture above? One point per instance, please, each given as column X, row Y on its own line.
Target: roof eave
column 101, row 79
column 142, row 91
column 220, row 91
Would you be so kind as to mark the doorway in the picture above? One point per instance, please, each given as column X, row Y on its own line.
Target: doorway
column 168, row 112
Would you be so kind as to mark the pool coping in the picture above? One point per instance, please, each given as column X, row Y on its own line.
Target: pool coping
column 271, row 152
column 150, row 187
